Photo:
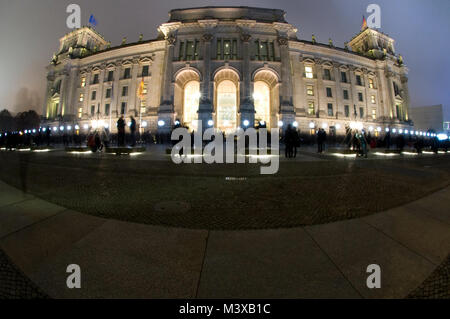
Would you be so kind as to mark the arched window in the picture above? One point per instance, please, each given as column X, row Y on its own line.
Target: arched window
column 261, row 97
column 191, row 102
column 226, row 106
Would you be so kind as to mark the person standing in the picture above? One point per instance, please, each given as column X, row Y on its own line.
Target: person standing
column 133, row 131
column 121, row 131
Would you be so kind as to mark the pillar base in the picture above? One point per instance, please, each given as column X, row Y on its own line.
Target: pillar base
column 247, row 113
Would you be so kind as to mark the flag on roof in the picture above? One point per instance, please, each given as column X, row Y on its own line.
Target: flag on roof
column 364, row 24
column 92, row 20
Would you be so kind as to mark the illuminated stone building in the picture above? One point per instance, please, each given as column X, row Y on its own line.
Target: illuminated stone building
column 229, row 67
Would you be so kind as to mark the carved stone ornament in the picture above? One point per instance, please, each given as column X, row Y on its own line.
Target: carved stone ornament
column 283, row 41
column 207, row 37
column 171, row 39
column 245, row 37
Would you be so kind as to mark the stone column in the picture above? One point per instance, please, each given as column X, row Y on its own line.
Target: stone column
column 166, row 108
column 205, row 109
column 287, row 112
column 353, row 94
column 115, row 104
column 406, row 98
column 321, row 111
column 382, row 95
column 133, row 100
column 247, row 106
column 366, row 93
column 391, row 93
column 50, row 79
column 339, row 90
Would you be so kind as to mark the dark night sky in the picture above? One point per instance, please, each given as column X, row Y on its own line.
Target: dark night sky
column 30, row 29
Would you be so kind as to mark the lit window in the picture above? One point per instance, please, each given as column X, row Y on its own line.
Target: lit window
column 311, row 109
column 310, row 90
column 80, row 112
column 261, row 97
column 83, row 82
column 374, row 114
column 145, row 90
column 372, row 99
column 309, row 72
column 81, row 97
column 143, row 106
column 371, row 84
column 191, row 102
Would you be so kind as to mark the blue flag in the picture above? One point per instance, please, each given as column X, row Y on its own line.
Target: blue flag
column 92, row 20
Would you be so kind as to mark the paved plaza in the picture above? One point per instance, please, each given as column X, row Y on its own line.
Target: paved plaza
column 387, row 211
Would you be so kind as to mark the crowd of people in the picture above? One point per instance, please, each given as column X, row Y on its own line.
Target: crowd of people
column 97, row 139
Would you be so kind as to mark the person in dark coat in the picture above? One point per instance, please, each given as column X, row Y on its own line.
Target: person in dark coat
column 133, row 131
column 321, row 138
column 121, row 131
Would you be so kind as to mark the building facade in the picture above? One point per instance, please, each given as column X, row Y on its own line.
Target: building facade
column 228, row 67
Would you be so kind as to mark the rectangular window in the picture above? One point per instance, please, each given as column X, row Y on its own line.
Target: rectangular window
column 143, row 106
column 108, row 93
column 83, row 82
column 110, row 76
column 263, row 51
column 94, row 95
column 80, row 112
column 310, row 90
column 127, row 73
column 145, row 70
column 374, row 114
column 372, row 99
column 226, row 49
column 358, row 80
column 371, row 83
column 347, row 110
column 330, row 109
column 361, row 112
column 145, row 89
column 329, row 92
column 360, row 97
column 107, row 107
column 125, row 91
column 309, row 72
column 311, row 109
column 123, row 108
column 327, row 74
column 181, row 54
column 344, row 77
column 345, row 94
column 81, row 97
column 95, row 81
column 92, row 110
column 190, row 50
column 396, row 90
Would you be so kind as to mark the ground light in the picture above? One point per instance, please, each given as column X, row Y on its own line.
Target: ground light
column 211, row 123
column 385, row 154
column 161, row 123
column 295, row 124
column 280, row 123
column 312, row 125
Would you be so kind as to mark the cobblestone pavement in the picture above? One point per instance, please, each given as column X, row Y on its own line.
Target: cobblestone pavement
column 203, row 196
column 14, row 284
column 437, row 285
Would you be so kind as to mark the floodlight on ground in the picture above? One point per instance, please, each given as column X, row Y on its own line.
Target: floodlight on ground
column 161, row 123
column 211, row 123
column 312, row 125
column 295, row 124
column 77, row 127
column 442, row 136
column 400, row 131
column 379, row 129
column 85, row 126
column 280, row 123
column 324, row 125
column 386, row 129
column 144, row 124
column 394, row 130
column 61, row 128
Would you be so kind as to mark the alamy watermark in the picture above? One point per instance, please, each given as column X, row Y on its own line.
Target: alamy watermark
column 249, row 142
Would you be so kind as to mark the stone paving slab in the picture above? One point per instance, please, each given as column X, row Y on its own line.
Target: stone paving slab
column 25, row 213
column 436, row 205
column 126, row 260
column 32, row 245
column 10, row 195
column 419, row 232
column 353, row 245
column 282, row 263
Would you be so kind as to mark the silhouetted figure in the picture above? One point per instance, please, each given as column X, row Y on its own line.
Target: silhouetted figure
column 321, row 138
column 288, row 142
column 121, row 131
column 133, row 131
